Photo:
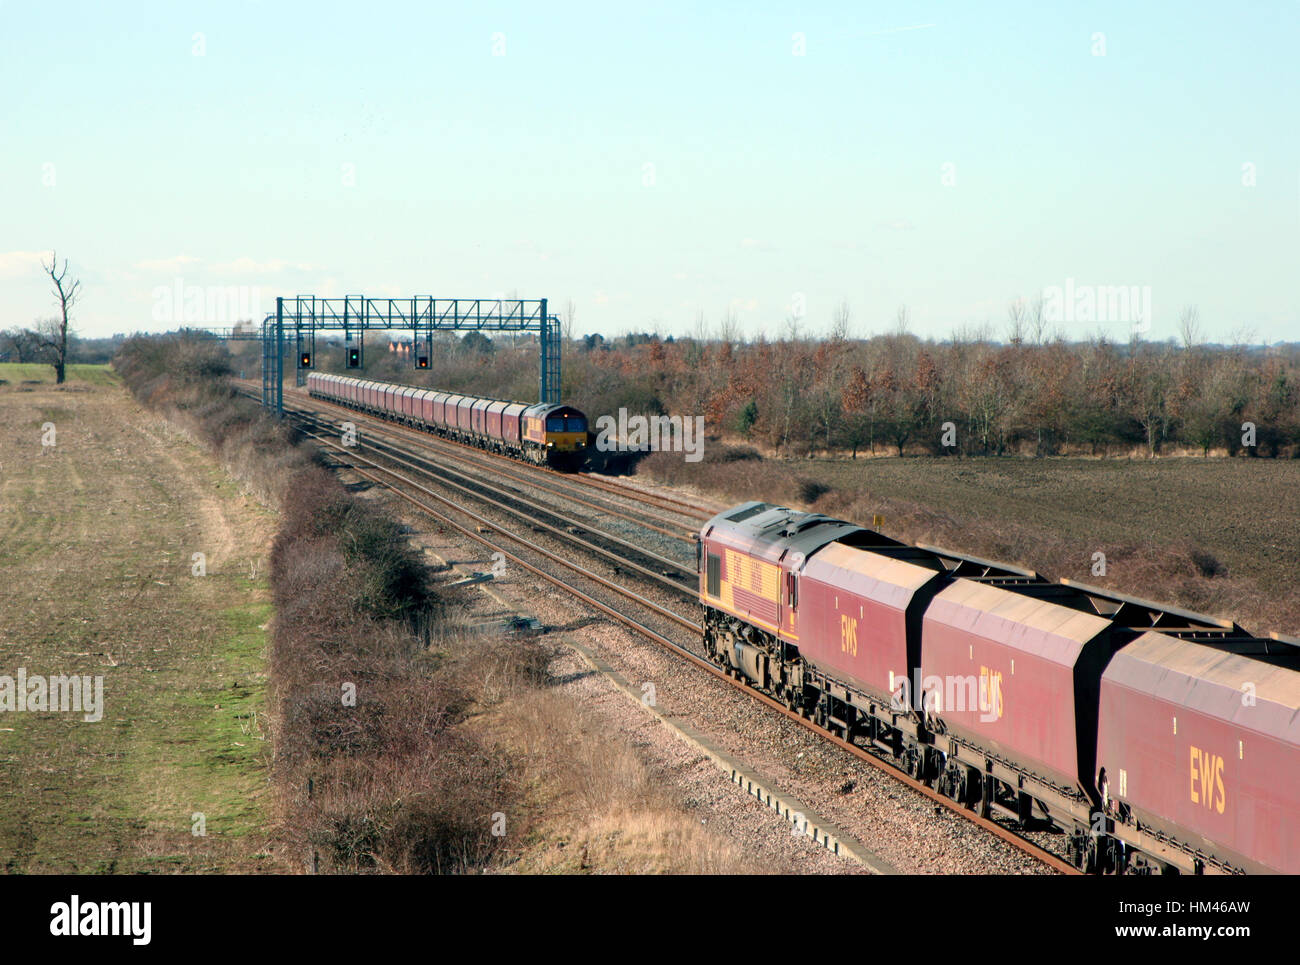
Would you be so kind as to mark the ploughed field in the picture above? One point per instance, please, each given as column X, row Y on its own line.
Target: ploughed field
column 1245, row 512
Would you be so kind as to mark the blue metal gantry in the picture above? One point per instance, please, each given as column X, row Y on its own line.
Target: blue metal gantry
column 297, row 320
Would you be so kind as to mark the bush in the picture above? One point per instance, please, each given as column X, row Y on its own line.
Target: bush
column 810, row 490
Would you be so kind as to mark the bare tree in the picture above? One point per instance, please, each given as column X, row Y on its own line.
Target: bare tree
column 840, row 322
column 973, row 333
column 1017, row 317
column 1242, row 337
column 729, row 328
column 53, row 334
column 700, row 330
column 1038, row 321
column 1189, row 326
column 566, row 324
column 902, row 319
column 22, row 344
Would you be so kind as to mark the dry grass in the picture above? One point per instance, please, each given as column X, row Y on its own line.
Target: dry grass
column 592, row 804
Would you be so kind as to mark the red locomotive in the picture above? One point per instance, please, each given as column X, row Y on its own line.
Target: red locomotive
column 1158, row 740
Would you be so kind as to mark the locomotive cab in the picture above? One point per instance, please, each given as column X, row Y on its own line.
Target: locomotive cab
column 555, row 434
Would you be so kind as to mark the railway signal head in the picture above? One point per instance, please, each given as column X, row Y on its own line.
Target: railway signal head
column 422, row 362
column 306, row 360
column 354, row 358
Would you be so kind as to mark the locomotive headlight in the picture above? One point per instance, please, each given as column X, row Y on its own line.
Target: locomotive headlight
column 550, row 445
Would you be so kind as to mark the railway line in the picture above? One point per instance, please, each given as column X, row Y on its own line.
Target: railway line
column 674, row 518
column 408, row 474
column 618, row 552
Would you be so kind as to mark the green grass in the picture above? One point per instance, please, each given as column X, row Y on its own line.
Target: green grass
column 16, row 372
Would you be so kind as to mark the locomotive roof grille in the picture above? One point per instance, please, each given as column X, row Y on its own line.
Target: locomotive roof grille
column 741, row 515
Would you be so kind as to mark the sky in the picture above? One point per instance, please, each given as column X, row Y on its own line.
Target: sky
column 655, row 163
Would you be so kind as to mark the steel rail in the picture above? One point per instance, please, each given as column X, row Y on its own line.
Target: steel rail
column 562, row 534
column 662, row 611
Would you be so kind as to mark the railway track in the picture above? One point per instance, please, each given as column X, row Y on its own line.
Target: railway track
column 675, row 518
column 619, row 553
column 415, row 492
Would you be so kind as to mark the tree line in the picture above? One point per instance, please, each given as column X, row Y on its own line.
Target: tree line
column 967, row 395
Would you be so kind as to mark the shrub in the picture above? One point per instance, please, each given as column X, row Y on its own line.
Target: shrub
column 810, row 490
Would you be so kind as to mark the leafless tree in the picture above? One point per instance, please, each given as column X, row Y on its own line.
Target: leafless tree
column 1038, row 321
column 700, row 330
column 972, row 333
column 840, row 322
column 902, row 319
column 53, row 333
column 21, row 344
column 1189, row 327
column 1017, row 316
column 566, row 323
column 1242, row 337
column 729, row 328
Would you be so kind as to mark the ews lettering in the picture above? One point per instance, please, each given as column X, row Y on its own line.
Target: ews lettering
column 1207, row 780
column 990, row 693
column 848, row 635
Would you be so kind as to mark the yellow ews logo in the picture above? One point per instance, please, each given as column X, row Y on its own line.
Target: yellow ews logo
column 1207, row 780
column 990, row 694
column 848, row 635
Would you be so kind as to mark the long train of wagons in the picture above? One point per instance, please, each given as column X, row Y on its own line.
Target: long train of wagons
column 541, row 432
column 1160, row 741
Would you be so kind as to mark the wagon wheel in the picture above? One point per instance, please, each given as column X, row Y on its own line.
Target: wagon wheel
column 953, row 783
column 1083, row 853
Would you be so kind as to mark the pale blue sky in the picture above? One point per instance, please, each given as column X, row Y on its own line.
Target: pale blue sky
column 773, row 174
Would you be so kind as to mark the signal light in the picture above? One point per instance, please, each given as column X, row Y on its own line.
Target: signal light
column 422, row 362
column 354, row 358
column 306, row 360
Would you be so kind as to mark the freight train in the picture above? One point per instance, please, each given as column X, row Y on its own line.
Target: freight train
column 543, row 433
column 1159, row 741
